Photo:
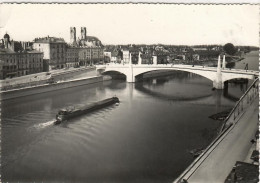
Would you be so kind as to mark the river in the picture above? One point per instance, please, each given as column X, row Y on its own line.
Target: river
column 146, row 138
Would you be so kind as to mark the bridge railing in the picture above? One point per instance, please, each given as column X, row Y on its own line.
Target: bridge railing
column 182, row 65
column 246, row 99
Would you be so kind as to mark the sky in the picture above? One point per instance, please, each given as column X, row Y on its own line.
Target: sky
column 135, row 23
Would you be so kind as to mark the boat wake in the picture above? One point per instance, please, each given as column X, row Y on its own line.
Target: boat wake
column 45, row 124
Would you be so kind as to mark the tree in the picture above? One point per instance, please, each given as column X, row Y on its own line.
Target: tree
column 230, row 49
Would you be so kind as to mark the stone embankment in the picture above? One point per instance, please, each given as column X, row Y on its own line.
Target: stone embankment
column 26, row 91
column 42, row 78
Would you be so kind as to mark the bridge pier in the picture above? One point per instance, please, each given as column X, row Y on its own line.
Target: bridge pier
column 139, row 59
column 218, row 85
column 130, row 78
column 224, row 62
column 99, row 72
column 154, row 60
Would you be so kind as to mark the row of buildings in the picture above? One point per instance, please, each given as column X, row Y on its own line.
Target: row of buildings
column 84, row 50
column 18, row 58
column 47, row 53
column 163, row 54
column 145, row 55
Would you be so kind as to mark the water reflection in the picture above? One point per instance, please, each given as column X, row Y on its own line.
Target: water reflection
column 148, row 91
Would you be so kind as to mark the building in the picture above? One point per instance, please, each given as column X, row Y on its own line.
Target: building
column 196, row 57
column 18, row 58
column 91, row 50
column 134, row 54
column 107, row 56
column 162, row 57
column 1, row 69
column 10, row 65
column 147, row 58
column 116, row 56
column 72, row 56
column 54, row 51
column 126, row 56
column 199, row 49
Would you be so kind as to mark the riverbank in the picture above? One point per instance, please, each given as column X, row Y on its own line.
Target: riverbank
column 32, row 90
column 43, row 78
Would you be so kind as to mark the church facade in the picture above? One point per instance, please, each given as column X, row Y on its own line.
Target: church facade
column 90, row 48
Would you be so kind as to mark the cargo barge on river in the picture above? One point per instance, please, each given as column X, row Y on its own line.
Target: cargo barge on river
column 66, row 114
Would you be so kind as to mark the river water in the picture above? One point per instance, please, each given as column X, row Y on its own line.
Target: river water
column 146, row 138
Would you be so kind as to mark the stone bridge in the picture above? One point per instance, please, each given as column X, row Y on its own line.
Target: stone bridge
column 218, row 75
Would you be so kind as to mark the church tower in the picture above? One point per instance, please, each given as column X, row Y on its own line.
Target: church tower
column 83, row 33
column 6, row 40
column 72, row 35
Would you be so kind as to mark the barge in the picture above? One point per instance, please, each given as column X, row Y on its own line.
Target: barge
column 66, row 114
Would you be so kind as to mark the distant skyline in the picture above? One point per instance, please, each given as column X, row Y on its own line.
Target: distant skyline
column 135, row 23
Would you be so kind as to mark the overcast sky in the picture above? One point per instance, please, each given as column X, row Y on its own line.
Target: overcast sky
column 135, row 23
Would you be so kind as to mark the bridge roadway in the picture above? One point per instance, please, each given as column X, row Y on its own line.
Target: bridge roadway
column 215, row 165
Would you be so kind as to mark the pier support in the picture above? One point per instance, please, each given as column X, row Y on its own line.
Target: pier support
column 224, row 62
column 130, row 78
column 99, row 72
column 139, row 58
column 218, row 85
column 154, row 60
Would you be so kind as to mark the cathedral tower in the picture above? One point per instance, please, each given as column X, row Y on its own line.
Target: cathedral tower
column 6, row 40
column 83, row 33
column 72, row 35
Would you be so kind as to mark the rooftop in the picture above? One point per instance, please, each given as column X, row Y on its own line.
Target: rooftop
column 10, row 51
column 90, row 41
column 49, row 40
column 6, row 51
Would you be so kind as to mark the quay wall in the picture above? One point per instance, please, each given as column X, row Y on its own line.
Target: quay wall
column 70, row 74
column 49, row 87
column 42, row 78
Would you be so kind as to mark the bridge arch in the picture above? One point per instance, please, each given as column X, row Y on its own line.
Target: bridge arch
column 230, row 77
column 217, row 75
column 208, row 75
column 122, row 70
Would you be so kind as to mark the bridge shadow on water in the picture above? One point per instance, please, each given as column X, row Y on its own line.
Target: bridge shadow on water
column 163, row 80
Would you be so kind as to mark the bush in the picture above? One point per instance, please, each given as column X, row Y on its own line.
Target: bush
column 230, row 49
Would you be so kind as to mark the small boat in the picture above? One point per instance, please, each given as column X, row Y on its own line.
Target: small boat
column 66, row 114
